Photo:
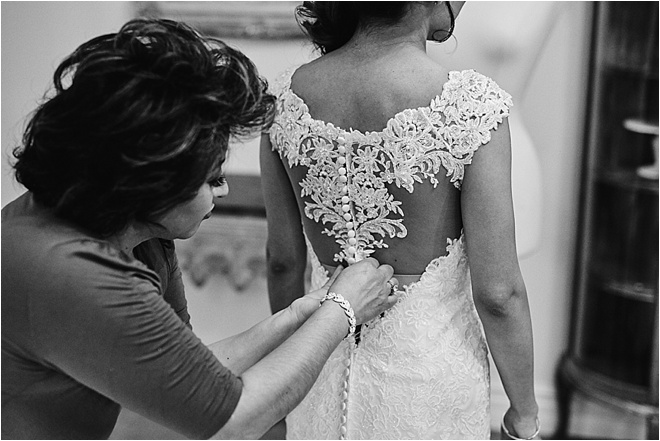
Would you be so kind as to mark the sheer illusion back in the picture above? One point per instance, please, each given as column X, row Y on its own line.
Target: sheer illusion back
column 357, row 187
column 420, row 371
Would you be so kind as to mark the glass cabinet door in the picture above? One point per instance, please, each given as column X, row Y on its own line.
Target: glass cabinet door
column 613, row 353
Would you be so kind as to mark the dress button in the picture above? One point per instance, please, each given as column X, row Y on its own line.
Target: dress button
column 349, row 225
column 342, row 170
column 351, row 233
column 351, row 250
column 351, row 260
column 341, row 139
column 352, row 241
column 346, row 208
column 347, row 216
column 342, row 149
column 343, row 178
column 341, row 160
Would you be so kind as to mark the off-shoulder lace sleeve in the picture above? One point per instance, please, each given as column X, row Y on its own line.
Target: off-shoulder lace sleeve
column 472, row 105
column 285, row 131
column 282, row 81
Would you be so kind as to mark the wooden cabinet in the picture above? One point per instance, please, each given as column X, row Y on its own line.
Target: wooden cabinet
column 613, row 352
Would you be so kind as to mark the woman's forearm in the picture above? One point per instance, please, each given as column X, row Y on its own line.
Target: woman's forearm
column 279, row 381
column 284, row 374
column 243, row 350
column 508, row 331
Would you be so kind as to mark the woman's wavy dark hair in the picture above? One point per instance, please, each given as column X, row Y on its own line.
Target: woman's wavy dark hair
column 330, row 25
column 138, row 121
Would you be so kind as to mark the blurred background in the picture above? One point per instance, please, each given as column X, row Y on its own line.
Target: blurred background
column 584, row 80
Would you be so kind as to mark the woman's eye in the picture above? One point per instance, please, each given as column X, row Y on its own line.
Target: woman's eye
column 218, row 182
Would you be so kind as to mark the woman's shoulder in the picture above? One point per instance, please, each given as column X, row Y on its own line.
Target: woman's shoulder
column 81, row 260
column 54, row 262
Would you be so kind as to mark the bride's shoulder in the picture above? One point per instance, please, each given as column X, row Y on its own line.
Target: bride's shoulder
column 315, row 73
column 282, row 81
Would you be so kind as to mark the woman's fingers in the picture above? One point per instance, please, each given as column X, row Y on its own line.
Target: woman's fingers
column 393, row 285
column 387, row 271
column 372, row 261
column 333, row 277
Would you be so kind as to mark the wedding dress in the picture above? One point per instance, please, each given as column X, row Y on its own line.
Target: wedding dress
column 420, row 371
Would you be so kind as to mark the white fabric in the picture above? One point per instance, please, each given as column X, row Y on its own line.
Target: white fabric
column 420, row 371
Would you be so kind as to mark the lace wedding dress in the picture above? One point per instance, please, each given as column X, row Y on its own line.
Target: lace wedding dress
column 420, row 371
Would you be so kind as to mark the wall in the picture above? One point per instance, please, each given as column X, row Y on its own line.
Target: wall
column 36, row 35
column 552, row 109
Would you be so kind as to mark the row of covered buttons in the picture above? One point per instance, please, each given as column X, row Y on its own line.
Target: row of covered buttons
column 346, row 201
column 343, row 429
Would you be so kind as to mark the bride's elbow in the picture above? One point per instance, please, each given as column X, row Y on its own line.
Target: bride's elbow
column 499, row 301
column 280, row 264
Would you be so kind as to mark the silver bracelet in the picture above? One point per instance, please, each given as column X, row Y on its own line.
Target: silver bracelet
column 346, row 306
column 534, row 435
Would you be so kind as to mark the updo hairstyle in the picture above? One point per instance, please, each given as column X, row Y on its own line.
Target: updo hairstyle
column 330, row 25
column 137, row 123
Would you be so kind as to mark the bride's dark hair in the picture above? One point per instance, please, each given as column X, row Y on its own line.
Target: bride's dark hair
column 331, row 24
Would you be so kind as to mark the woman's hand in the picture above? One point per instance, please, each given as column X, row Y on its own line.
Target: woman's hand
column 305, row 306
column 519, row 426
column 365, row 286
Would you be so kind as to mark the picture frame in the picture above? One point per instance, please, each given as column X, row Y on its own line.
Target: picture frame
column 230, row 19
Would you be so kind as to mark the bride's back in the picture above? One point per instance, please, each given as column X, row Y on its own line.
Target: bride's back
column 364, row 93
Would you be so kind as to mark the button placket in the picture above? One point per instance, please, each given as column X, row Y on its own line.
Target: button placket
column 343, row 422
column 347, row 207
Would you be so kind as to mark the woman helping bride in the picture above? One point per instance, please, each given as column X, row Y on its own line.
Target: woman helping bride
column 379, row 151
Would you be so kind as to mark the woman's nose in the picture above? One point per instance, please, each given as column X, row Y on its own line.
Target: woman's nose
column 221, row 191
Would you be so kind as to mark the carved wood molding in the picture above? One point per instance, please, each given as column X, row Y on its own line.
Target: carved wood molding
column 247, row 19
column 227, row 245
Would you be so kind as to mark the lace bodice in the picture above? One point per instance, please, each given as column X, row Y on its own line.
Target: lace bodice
column 348, row 172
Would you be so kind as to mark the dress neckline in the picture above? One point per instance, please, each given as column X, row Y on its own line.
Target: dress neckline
column 328, row 125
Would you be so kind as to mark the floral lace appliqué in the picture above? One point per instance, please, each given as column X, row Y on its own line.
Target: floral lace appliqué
column 348, row 172
column 420, row 372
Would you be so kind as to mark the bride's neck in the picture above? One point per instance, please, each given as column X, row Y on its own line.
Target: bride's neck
column 376, row 41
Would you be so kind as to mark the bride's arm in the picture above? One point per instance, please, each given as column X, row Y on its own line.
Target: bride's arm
column 286, row 252
column 498, row 287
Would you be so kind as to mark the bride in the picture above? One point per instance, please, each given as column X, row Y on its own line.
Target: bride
column 378, row 151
